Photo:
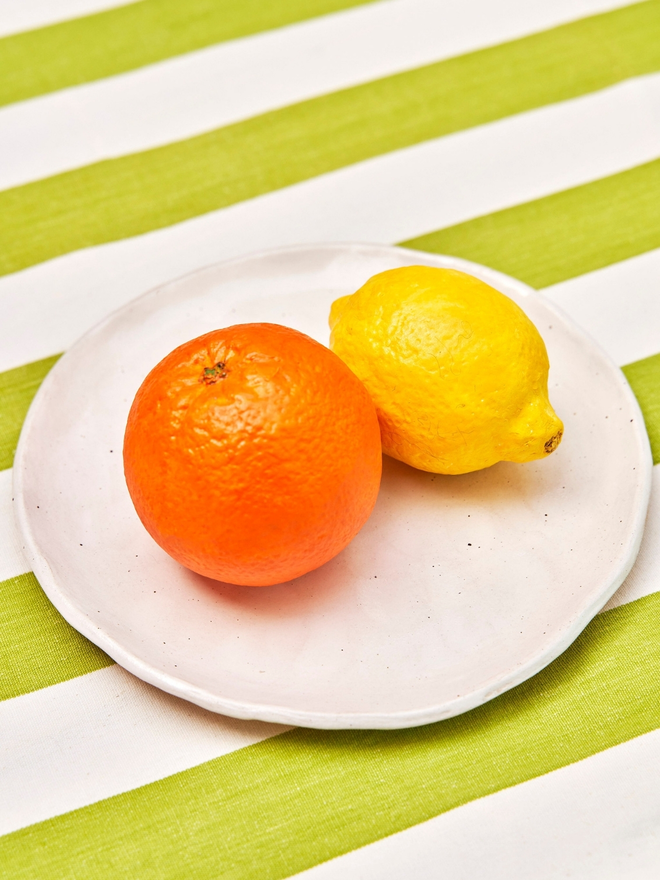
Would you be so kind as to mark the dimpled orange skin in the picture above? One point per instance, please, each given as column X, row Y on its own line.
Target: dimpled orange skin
column 252, row 454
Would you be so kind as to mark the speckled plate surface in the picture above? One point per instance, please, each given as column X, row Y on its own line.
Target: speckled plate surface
column 457, row 589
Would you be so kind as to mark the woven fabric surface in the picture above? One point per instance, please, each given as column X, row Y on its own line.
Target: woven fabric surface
column 140, row 141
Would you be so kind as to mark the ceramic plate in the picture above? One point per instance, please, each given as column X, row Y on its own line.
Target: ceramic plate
column 457, row 589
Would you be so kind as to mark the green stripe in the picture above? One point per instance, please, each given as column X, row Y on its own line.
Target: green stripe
column 133, row 194
column 562, row 235
column 644, row 378
column 112, row 42
column 25, row 605
column 543, row 242
column 29, row 623
column 290, row 802
column 37, row 646
column 17, row 388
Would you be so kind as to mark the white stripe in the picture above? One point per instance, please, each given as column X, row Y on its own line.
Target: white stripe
column 26, row 15
column 12, row 562
column 98, row 735
column 386, row 199
column 598, row 819
column 203, row 90
column 618, row 305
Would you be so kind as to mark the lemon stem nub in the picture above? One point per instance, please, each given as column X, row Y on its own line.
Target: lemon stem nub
column 553, row 442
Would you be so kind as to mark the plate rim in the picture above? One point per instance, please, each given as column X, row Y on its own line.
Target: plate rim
column 249, row 710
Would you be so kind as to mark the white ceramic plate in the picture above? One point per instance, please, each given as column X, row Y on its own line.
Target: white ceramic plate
column 456, row 589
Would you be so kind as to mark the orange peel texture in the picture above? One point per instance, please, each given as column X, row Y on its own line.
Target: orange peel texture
column 252, row 454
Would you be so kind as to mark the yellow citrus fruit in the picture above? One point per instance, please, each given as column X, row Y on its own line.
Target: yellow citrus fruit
column 458, row 372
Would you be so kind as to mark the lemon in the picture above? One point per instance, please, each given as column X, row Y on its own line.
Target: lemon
column 458, row 372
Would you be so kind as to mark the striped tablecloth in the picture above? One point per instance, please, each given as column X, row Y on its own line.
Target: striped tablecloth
column 140, row 141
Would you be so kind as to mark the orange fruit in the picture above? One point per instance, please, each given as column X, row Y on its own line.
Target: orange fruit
column 252, row 454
